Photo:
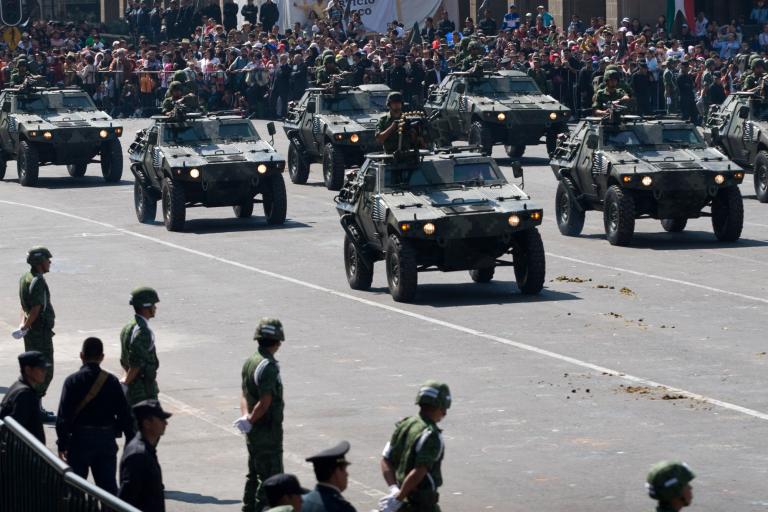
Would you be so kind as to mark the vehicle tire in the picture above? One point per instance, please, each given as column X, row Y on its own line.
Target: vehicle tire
column 77, row 170
column 333, row 167
column 3, row 166
column 482, row 275
column 551, row 142
column 480, row 135
column 402, row 274
column 274, row 200
column 28, row 164
column 174, row 206
column 359, row 269
column 728, row 214
column 514, row 151
column 675, row 225
column 619, row 216
column 244, row 210
column 570, row 220
column 298, row 167
column 530, row 261
column 112, row 160
column 761, row 176
column 146, row 207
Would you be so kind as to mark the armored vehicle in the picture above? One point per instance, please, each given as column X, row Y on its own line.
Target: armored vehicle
column 494, row 107
column 40, row 126
column 453, row 210
column 334, row 125
column 739, row 128
column 194, row 160
column 630, row 168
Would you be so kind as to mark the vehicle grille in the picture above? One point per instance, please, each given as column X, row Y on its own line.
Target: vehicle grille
column 70, row 124
column 669, row 166
column 227, row 158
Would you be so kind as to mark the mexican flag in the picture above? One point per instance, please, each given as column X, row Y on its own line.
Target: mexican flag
column 680, row 6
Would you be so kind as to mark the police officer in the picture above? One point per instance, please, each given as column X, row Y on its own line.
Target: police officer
column 141, row 479
column 22, row 401
column 92, row 412
column 262, row 405
column 138, row 355
column 609, row 93
column 332, row 478
column 38, row 316
column 669, row 483
column 411, row 460
column 390, row 124
column 283, row 493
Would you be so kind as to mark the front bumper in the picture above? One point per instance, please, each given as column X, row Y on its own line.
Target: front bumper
column 225, row 184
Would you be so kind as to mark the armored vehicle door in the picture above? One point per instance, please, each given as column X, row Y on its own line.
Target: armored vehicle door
column 152, row 158
column 439, row 120
column 5, row 113
column 311, row 124
column 456, row 108
column 588, row 161
column 740, row 128
column 368, row 206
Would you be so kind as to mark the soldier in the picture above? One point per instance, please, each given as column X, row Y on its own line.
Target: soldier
column 38, row 316
column 390, row 124
column 687, row 89
column 609, row 93
column 539, row 75
column 283, row 493
column 670, row 484
column 707, row 81
column 262, row 405
column 138, row 355
column 22, row 401
column 325, row 73
column 752, row 81
column 397, row 74
column 475, row 56
column 20, row 73
column 331, row 472
column 177, row 96
column 671, row 94
column 411, row 460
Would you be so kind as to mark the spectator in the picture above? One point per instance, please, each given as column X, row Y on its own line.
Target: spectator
column 446, row 26
column 250, row 12
column 230, row 15
column 511, row 19
column 700, row 26
column 268, row 15
column 428, row 32
column 762, row 39
column 759, row 14
column 488, row 24
column 212, row 11
column 546, row 18
column 728, row 46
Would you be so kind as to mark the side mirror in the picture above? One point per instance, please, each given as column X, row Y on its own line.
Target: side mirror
column 517, row 170
column 311, row 107
column 460, row 88
column 744, row 112
column 271, row 129
column 6, row 107
column 592, row 141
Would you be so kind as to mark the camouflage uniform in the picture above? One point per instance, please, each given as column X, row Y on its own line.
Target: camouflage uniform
column 671, row 93
column 137, row 350
column 33, row 291
column 604, row 97
column 392, row 143
column 18, row 76
column 323, row 75
column 540, row 77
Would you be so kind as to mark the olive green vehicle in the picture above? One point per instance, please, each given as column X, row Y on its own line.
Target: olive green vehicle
column 494, row 107
column 334, row 125
column 453, row 210
column 630, row 168
column 189, row 160
column 47, row 125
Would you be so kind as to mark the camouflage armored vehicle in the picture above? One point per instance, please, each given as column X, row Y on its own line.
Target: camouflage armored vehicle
column 630, row 168
column 189, row 160
column 453, row 210
column 738, row 128
column 334, row 125
column 494, row 107
column 41, row 126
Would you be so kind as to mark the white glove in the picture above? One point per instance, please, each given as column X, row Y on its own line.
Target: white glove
column 390, row 503
column 242, row 424
column 20, row 332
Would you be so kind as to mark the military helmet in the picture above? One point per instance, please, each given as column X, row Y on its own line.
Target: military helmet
column 434, row 393
column 709, row 62
column 21, row 60
column 327, row 53
column 394, row 96
column 475, row 45
column 269, row 329
column 667, row 479
column 464, row 43
column 180, row 76
column 328, row 59
column 36, row 255
column 611, row 73
column 144, row 297
column 612, row 67
column 756, row 62
column 175, row 85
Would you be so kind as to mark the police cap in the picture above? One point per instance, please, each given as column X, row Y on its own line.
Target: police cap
column 269, row 329
column 37, row 255
column 34, row 359
column 434, row 393
column 144, row 297
column 283, row 484
column 332, row 457
column 667, row 479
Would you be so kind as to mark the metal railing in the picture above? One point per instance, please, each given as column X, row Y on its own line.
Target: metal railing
column 34, row 479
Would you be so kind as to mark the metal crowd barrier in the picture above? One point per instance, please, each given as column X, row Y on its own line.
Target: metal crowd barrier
column 33, row 479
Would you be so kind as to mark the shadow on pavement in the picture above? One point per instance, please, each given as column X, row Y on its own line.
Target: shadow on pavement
column 255, row 223
column 193, row 497
column 685, row 241
column 68, row 182
column 477, row 294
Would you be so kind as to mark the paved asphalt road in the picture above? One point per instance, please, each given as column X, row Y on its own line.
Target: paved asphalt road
column 561, row 402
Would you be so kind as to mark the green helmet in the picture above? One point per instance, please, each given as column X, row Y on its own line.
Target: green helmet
column 394, row 96
column 755, row 63
column 36, row 255
column 175, row 85
column 180, row 76
column 667, row 479
column 612, row 67
column 269, row 329
column 434, row 393
column 144, row 297
column 709, row 62
column 327, row 53
column 611, row 73
column 464, row 44
column 475, row 45
column 328, row 59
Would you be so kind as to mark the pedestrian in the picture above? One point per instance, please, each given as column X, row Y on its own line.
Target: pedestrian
column 261, row 403
column 412, row 458
column 38, row 316
column 332, row 478
column 141, row 479
column 283, row 493
column 22, row 401
column 92, row 412
column 138, row 355
column 669, row 483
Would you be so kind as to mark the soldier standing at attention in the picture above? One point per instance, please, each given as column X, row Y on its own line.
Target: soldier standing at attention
column 670, row 484
column 262, row 404
column 609, row 93
column 22, row 402
column 332, row 479
column 38, row 316
column 687, row 89
column 411, row 460
column 138, row 355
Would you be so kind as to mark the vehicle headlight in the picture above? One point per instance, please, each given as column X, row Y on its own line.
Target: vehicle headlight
column 647, row 181
column 194, row 173
column 33, row 134
column 553, row 115
column 738, row 175
column 47, row 135
column 354, row 137
column 719, row 179
column 514, row 220
column 429, row 229
column 103, row 134
column 338, row 136
column 261, row 168
column 626, row 179
column 502, row 116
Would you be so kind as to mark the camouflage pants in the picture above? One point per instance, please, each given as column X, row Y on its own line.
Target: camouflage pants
column 42, row 341
column 141, row 389
column 263, row 462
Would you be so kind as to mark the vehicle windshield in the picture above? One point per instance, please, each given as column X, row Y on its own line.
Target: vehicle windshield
column 31, row 104
column 502, row 85
column 229, row 131
column 441, row 173
column 353, row 102
column 651, row 135
column 83, row 102
column 186, row 133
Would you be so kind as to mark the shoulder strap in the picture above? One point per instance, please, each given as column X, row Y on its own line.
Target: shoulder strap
column 92, row 393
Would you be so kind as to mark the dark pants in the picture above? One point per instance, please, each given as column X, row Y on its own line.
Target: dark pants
column 265, row 458
column 95, row 449
column 42, row 341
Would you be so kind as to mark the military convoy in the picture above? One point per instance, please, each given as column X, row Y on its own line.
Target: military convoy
column 494, row 107
column 49, row 125
column 189, row 160
column 334, row 125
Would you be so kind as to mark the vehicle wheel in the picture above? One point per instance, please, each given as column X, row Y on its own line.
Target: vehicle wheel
column 402, row 275
column 77, row 170
column 480, row 135
column 551, row 142
column 482, row 275
column 174, row 206
column 359, row 269
column 274, row 200
column 761, row 176
column 530, row 262
column 112, row 161
column 333, row 167
column 298, row 168
column 146, row 207
column 570, row 220
column 675, row 225
column 244, row 210
column 728, row 214
column 28, row 164
column 619, row 215
column 514, row 151
column 3, row 166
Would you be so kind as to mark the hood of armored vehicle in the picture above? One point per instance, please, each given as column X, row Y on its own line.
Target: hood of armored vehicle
column 650, row 160
column 57, row 119
column 209, row 154
column 516, row 102
column 355, row 122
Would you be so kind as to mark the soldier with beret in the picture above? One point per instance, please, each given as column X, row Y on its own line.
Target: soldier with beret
column 138, row 355
column 283, row 493
column 261, row 404
column 332, row 478
column 669, row 483
column 22, row 401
